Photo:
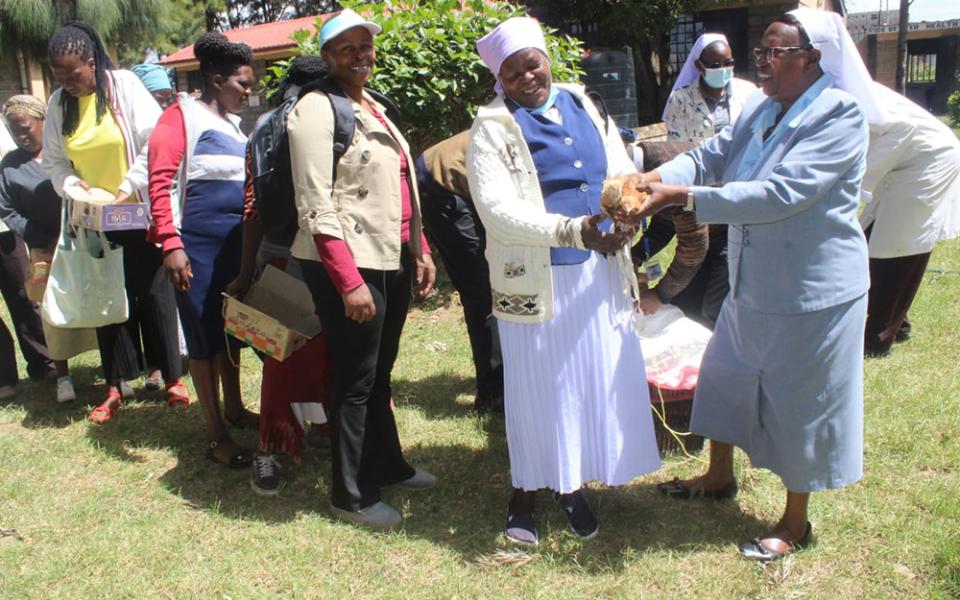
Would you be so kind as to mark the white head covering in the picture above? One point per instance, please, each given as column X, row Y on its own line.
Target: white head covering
column 839, row 57
column 347, row 19
column 689, row 73
column 508, row 38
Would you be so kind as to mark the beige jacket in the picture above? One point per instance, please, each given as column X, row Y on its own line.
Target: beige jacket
column 363, row 207
column 520, row 232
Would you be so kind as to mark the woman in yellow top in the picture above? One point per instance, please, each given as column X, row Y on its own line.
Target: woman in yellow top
column 95, row 135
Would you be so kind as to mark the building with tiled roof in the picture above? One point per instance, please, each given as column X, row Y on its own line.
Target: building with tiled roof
column 270, row 42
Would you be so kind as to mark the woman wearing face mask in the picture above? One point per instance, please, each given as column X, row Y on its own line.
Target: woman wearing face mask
column 95, row 135
column 706, row 96
column 575, row 391
column 196, row 194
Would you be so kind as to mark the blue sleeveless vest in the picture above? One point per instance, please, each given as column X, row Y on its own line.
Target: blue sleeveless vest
column 571, row 163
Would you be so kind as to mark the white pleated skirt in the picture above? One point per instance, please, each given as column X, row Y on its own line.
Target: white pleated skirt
column 576, row 400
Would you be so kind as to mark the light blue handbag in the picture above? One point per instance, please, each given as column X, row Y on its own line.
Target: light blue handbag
column 86, row 284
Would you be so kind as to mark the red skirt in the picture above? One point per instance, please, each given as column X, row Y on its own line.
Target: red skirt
column 306, row 376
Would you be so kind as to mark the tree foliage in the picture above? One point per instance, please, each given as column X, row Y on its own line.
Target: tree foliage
column 26, row 25
column 428, row 65
column 242, row 13
column 644, row 26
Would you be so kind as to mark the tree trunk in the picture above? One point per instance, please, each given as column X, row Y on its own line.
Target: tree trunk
column 901, row 77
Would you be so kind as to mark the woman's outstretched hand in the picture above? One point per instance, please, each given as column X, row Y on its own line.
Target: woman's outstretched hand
column 659, row 197
column 602, row 241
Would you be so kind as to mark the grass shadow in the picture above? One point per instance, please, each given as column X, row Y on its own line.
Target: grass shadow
column 436, row 395
column 200, row 482
column 466, row 512
column 38, row 399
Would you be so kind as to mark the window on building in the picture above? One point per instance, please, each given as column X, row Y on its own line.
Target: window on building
column 684, row 34
column 921, row 68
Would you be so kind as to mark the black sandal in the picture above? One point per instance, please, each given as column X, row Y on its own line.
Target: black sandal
column 678, row 490
column 239, row 459
column 582, row 520
column 521, row 528
column 756, row 550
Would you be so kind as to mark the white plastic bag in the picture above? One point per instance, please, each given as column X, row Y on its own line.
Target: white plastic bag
column 673, row 347
column 84, row 288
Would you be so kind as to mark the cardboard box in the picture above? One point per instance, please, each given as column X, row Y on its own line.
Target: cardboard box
column 276, row 317
column 95, row 209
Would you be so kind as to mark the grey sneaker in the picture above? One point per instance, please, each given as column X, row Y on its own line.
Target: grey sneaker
column 126, row 390
column 420, row 480
column 65, row 392
column 377, row 516
column 265, row 475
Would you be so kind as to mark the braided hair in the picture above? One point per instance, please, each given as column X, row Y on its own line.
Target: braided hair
column 220, row 56
column 76, row 38
column 303, row 70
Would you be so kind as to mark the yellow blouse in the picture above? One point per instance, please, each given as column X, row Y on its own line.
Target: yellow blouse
column 98, row 152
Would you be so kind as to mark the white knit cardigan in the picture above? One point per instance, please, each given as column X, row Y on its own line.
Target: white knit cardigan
column 135, row 111
column 520, row 232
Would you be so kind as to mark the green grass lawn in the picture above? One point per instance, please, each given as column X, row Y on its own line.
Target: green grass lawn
column 133, row 509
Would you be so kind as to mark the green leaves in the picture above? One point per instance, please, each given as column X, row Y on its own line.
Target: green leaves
column 428, row 65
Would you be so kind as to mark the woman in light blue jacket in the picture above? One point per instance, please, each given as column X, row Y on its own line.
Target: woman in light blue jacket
column 782, row 377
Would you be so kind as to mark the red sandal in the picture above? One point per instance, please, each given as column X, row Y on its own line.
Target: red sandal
column 177, row 395
column 103, row 413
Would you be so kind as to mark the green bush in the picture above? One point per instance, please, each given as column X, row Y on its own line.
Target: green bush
column 428, row 65
column 953, row 108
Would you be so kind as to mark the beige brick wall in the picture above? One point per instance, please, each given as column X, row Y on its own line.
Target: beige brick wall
column 9, row 76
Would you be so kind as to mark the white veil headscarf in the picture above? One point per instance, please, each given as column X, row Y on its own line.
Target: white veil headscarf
column 508, row 38
column 689, row 73
column 839, row 57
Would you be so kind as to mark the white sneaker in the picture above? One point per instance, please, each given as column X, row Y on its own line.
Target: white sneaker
column 420, row 480
column 126, row 390
column 377, row 516
column 65, row 391
column 7, row 392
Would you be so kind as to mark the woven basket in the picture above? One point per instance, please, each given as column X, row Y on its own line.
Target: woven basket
column 678, row 405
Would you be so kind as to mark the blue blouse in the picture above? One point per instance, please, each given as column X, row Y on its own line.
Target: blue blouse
column 571, row 164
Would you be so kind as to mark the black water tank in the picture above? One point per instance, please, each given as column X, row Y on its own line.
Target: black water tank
column 609, row 72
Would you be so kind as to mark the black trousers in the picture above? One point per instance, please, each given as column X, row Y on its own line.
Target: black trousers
column 702, row 298
column 26, row 317
column 894, row 283
column 365, row 445
column 457, row 233
column 153, row 311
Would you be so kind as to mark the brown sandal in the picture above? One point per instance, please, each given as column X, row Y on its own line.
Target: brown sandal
column 239, row 457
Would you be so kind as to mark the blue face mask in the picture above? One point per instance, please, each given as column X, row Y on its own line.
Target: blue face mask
column 551, row 99
column 718, row 78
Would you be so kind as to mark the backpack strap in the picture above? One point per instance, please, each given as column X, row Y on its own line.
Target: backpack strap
column 344, row 121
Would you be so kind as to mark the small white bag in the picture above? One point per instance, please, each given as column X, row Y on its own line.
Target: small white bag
column 84, row 289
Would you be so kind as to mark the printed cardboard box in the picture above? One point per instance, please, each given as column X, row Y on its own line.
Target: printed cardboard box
column 96, row 210
column 276, row 316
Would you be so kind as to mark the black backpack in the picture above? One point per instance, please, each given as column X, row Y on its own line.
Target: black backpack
column 270, row 155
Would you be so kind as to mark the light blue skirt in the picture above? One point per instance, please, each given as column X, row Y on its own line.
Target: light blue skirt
column 788, row 390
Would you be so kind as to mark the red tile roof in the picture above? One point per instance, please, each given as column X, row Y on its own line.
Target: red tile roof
column 261, row 38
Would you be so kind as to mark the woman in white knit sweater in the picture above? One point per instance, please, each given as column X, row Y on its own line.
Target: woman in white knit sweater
column 575, row 397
